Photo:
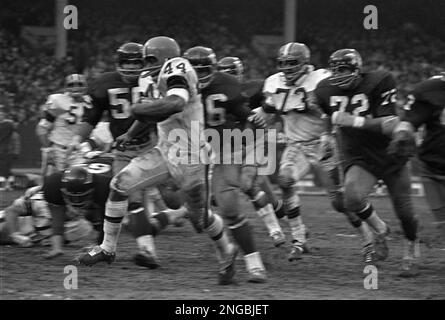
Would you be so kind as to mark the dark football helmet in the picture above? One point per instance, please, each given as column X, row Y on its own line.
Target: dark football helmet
column 156, row 51
column 346, row 66
column 76, row 85
column 77, row 187
column 293, row 60
column 129, row 61
column 203, row 60
column 233, row 66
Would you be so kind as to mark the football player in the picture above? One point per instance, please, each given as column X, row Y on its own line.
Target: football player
column 225, row 111
column 425, row 107
column 356, row 102
column 114, row 93
column 257, row 187
column 27, row 221
column 7, row 132
column 179, row 114
column 289, row 96
column 62, row 113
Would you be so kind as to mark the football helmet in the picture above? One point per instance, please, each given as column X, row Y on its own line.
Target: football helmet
column 203, row 60
column 346, row 66
column 77, row 187
column 76, row 85
column 129, row 61
column 156, row 51
column 233, row 66
column 293, row 60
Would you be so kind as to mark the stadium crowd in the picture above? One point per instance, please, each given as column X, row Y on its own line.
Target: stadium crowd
column 29, row 74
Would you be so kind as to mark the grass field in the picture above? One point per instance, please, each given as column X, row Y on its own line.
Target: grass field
column 333, row 270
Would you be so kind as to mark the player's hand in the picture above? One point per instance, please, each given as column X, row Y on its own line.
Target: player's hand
column 326, row 147
column 345, row 119
column 121, row 141
column 402, row 145
column 257, row 120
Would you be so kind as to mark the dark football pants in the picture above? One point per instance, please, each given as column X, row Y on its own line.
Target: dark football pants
column 359, row 183
column 434, row 186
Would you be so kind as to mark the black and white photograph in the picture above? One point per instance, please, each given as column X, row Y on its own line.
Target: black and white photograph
column 242, row 151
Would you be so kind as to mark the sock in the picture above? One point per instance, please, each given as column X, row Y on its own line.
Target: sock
column 139, row 223
column 369, row 215
column 267, row 214
column 253, row 261
column 365, row 233
column 298, row 229
column 146, row 242
column 243, row 236
column 159, row 221
column 114, row 212
column 217, row 233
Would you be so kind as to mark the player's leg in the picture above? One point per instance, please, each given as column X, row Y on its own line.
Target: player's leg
column 399, row 188
column 333, row 183
column 142, row 172
column 2, row 172
column 294, row 166
column 359, row 183
column 226, row 187
column 434, row 186
column 257, row 188
column 195, row 189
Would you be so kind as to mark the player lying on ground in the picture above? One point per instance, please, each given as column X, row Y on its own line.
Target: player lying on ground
column 355, row 101
column 28, row 221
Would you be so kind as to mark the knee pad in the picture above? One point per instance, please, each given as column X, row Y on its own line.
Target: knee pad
column 228, row 203
column 354, row 202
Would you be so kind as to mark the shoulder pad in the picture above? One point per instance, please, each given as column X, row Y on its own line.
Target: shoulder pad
column 272, row 83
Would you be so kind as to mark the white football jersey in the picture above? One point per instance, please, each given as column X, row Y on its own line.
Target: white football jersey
column 188, row 124
column 68, row 113
column 297, row 102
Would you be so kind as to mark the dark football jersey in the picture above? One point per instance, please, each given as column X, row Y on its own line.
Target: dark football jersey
column 373, row 97
column 425, row 106
column 253, row 91
column 112, row 94
column 6, row 130
column 102, row 175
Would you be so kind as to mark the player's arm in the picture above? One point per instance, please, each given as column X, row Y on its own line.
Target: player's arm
column 175, row 100
column 384, row 114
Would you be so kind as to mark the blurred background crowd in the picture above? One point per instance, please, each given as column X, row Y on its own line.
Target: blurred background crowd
column 407, row 41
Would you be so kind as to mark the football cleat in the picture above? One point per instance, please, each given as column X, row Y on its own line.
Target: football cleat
column 368, row 253
column 296, row 252
column 95, row 255
column 278, row 238
column 227, row 267
column 146, row 259
column 380, row 245
column 257, row 275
